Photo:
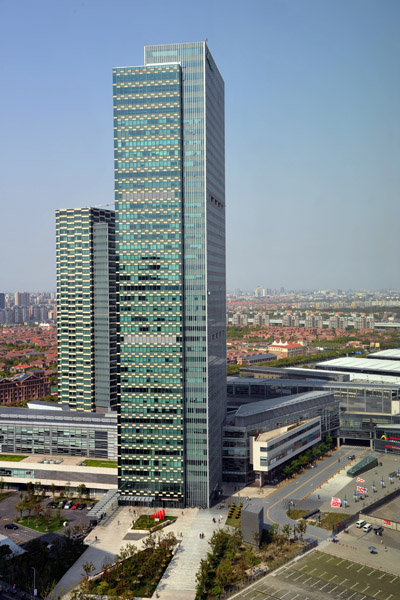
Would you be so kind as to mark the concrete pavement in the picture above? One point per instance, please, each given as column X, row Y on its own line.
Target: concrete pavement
column 178, row 582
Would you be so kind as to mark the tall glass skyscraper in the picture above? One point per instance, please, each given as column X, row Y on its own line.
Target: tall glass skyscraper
column 170, row 233
column 86, row 308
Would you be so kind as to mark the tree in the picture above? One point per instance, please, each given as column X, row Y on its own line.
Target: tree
column 20, row 507
column 302, row 527
column 88, row 568
column 47, row 517
column 81, row 490
column 286, row 530
column 53, row 490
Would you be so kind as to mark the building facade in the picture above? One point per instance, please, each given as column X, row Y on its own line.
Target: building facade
column 49, row 430
column 86, row 308
column 272, row 449
column 170, row 227
column 247, row 422
column 286, row 349
column 24, row 387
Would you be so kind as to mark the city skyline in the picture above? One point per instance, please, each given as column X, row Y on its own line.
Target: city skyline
column 313, row 133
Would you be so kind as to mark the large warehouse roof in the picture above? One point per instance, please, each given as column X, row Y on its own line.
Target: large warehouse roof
column 362, row 365
column 392, row 354
column 307, row 399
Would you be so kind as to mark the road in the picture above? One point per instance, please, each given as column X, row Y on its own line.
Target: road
column 277, row 504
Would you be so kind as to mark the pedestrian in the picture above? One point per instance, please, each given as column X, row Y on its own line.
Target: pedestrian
column 118, row 522
column 182, row 513
column 381, row 541
column 95, row 538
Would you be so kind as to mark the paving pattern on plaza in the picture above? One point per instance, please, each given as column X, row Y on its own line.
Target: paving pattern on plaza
column 320, row 576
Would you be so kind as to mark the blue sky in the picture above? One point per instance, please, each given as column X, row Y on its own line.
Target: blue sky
column 312, row 130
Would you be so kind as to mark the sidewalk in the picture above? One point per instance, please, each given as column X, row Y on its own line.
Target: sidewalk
column 179, row 580
column 103, row 550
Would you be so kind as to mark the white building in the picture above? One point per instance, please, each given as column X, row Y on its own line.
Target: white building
column 273, row 448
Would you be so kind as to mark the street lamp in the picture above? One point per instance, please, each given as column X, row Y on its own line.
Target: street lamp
column 34, row 581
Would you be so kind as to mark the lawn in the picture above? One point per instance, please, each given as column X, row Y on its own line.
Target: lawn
column 233, row 522
column 295, row 514
column 328, row 520
column 104, row 464
column 234, row 516
column 41, row 524
column 13, row 457
column 144, row 522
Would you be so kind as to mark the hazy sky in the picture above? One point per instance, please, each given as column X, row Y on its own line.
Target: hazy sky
column 312, row 129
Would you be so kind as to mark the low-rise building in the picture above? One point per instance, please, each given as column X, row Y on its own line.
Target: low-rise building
column 251, row 419
column 286, row 349
column 54, row 432
column 66, row 472
column 24, row 387
column 272, row 449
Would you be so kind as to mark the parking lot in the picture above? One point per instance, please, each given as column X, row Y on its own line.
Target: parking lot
column 24, row 534
column 319, row 576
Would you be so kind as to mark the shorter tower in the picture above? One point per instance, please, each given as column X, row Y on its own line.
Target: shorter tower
column 86, row 308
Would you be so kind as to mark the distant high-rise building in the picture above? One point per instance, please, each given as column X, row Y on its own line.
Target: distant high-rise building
column 2, row 300
column 170, row 219
column 86, row 308
column 261, row 319
column 22, row 298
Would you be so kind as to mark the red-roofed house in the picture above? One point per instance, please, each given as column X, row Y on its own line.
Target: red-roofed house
column 286, row 349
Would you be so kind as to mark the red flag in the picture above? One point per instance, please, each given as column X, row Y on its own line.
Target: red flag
column 336, row 502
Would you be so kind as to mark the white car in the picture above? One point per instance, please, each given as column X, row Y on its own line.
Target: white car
column 367, row 527
column 360, row 523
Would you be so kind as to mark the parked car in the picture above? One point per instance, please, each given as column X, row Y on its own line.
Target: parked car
column 360, row 523
column 62, row 504
column 367, row 527
column 11, row 526
column 90, row 505
column 74, row 506
column 81, row 506
column 49, row 505
column 68, row 504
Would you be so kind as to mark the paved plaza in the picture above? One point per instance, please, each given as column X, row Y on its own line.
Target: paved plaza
column 311, row 489
column 178, row 581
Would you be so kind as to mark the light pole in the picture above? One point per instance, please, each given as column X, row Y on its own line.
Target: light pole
column 34, row 581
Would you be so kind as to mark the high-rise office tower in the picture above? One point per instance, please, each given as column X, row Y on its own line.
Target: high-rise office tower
column 86, row 308
column 2, row 300
column 22, row 298
column 170, row 231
